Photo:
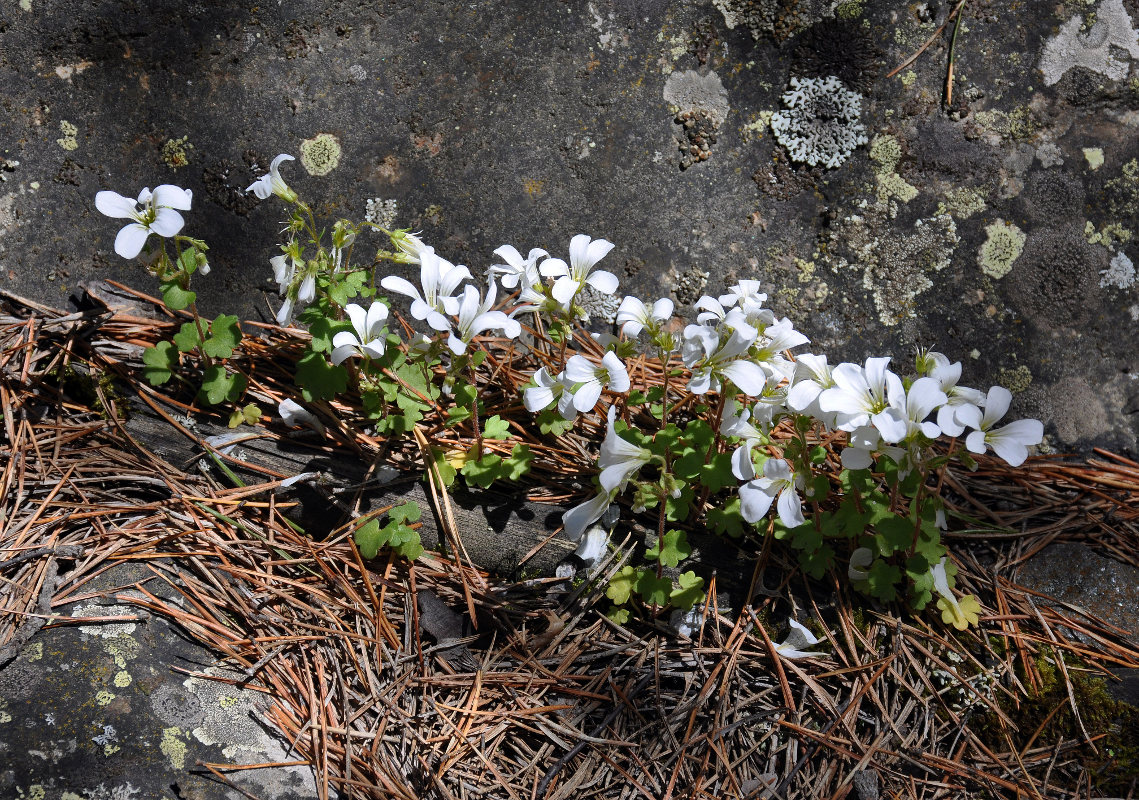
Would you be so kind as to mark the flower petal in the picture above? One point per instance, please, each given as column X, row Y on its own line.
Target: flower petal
column 130, row 240
column 113, row 204
column 167, row 222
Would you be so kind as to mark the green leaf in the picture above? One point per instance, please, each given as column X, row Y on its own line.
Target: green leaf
column 675, row 550
column 219, row 386
column 484, row 471
column 728, row 519
column 187, row 337
column 816, row 562
column 550, row 422
column 894, row 533
column 346, row 285
column 717, row 473
column 161, row 361
column 320, row 380
column 856, row 480
column 518, row 464
column 224, row 336
column 921, row 581
column 323, row 330
column 248, row 415
column 447, row 472
column 368, row 539
column 496, row 428
column 883, row 579
column 621, row 585
column 618, row 614
column 404, row 540
column 175, row 297
column 690, row 593
column 654, row 590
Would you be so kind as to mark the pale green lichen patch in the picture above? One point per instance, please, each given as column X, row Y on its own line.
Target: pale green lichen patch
column 886, row 152
column 122, row 679
column 104, row 697
column 176, row 152
column 26, row 5
column 1094, row 157
column 34, row 651
column 173, row 748
column 1109, row 235
column 69, row 140
column 1015, row 380
column 320, row 154
column 1001, row 249
column 849, row 10
column 963, row 202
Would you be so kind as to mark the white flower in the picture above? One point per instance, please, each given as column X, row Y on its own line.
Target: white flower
column 746, row 296
column 779, row 481
column 812, row 377
column 517, row 270
column 634, row 316
column 797, row 638
column 286, row 265
column 273, row 183
column 293, row 414
column 153, row 212
column 711, row 361
column 916, row 405
column 860, row 560
column 590, row 379
column 580, row 517
column 367, row 340
column 862, row 441
column 593, row 546
column 440, row 279
column 475, row 316
column 959, row 397
column 859, row 397
column 584, row 254
column 1010, row 442
column 548, row 389
column 620, row 460
column 733, row 424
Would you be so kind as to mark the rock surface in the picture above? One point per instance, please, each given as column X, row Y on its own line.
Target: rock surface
column 999, row 229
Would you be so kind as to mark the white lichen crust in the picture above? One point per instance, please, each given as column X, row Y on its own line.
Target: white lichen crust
column 820, row 124
column 1103, row 49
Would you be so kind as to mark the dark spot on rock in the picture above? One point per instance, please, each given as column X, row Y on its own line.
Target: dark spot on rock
column 1056, row 279
column 941, row 146
column 839, row 48
column 1052, row 196
column 226, row 182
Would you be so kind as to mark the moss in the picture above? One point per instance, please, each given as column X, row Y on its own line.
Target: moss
column 1001, row 249
column 1114, row 764
column 320, row 154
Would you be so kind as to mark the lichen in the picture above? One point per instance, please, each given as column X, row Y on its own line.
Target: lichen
column 379, row 211
column 893, row 186
column 691, row 91
column 104, row 697
column 122, row 679
column 1109, row 235
column 1120, row 273
column 69, row 140
column 320, row 154
column 886, row 152
column 963, row 202
column 820, row 124
column 1015, row 380
column 175, row 152
column 34, row 651
column 1100, row 49
column 1094, row 157
column 1001, row 249
column 173, row 748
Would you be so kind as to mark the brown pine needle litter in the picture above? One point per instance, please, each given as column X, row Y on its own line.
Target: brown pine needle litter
column 549, row 699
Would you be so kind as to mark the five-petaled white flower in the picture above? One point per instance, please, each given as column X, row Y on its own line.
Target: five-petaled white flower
column 366, row 338
column 475, row 316
column 584, row 254
column 440, row 279
column 1010, row 442
column 590, row 379
column 779, row 481
column 797, row 638
column 712, row 361
column 634, row 316
column 859, row 397
column 272, row 183
column 153, row 212
column 620, row 460
column 517, row 270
